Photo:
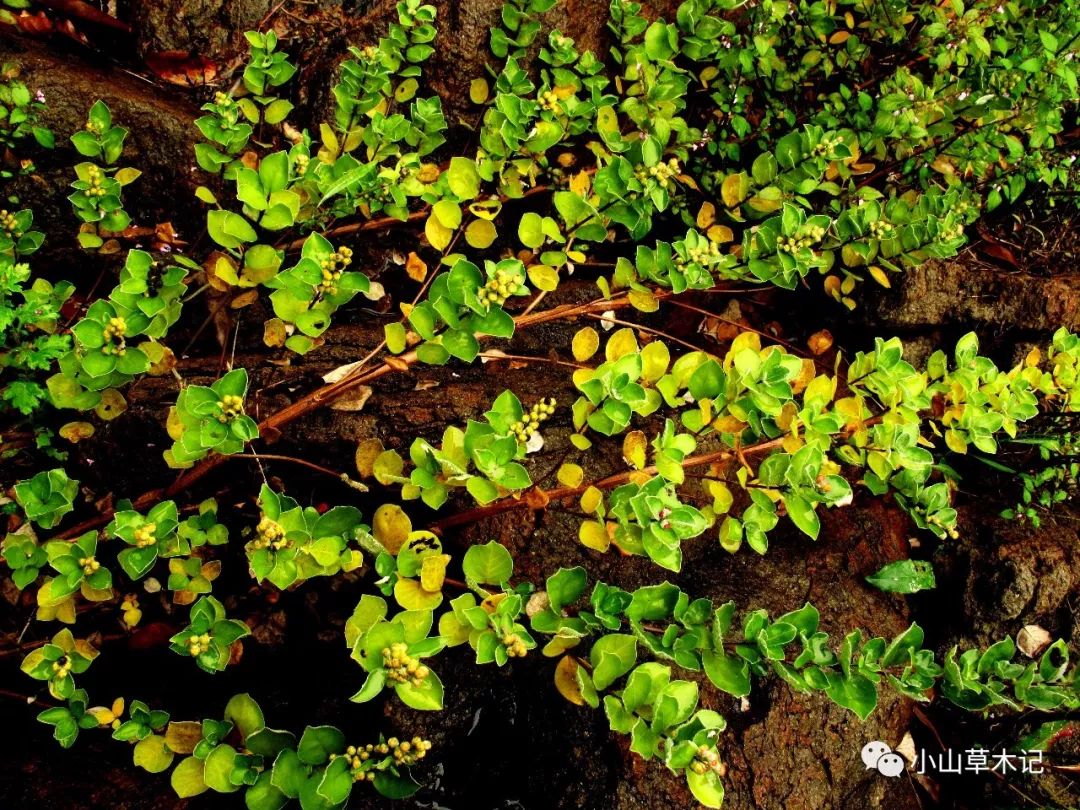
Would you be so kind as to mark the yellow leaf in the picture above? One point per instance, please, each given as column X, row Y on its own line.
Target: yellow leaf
column 183, row 736
column 452, row 630
column 733, row 190
column 1034, row 357
column 75, row 432
column 633, row 449
column 585, row 344
column 437, row 234
column 570, row 475
column 412, row 596
column 594, row 535
column 621, row 343
column 478, row 91
column 955, row 442
column 543, row 277
column 112, row 404
column 415, row 267
column 879, row 276
column 480, row 234
column 433, row 571
column 839, row 38
column 580, row 183
column 591, row 500
column 721, row 495
column 566, row 680
column 366, row 452
column 721, row 234
column 429, row 173
column 643, row 300
column 706, row 215
column 820, row 342
column 655, row 359
column 391, row 526
column 274, row 334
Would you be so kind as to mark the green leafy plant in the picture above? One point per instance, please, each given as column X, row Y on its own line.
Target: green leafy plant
column 210, row 418
column 47, row 497
column 210, row 636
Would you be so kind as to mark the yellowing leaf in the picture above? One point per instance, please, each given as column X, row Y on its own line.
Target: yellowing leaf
column 721, row 495
column 721, row 234
column 643, row 300
column 183, row 736
column 591, row 500
column 415, row 267
column 621, row 343
column 437, row 234
column 820, row 342
column 955, row 442
column 839, row 38
column 366, row 452
column 478, row 91
column 734, row 188
column 585, row 344
column 570, row 475
column 433, row 571
column 880, row 277
column 580, row 183
column 706, row 215
column 543, row 277
column 112, row 404
column 594, row 535
column 411, row 596
column 655, row 359
column 391, row 526
column 633, row 448
column 274, row 333
column 480, row 234
column 566, row 680
column 75, row 432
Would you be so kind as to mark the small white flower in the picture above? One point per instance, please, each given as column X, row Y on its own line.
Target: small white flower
column 39, row 96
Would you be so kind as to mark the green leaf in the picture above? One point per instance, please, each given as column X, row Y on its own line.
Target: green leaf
column 854, row 692
column 218, row 768
column 904, row 576
column 565, row 586
column 427, row 698
column 728, row 672
column 244, row 713
column 803, row 515
column 152, row 754
column 612, row 656
column 187, row 778
column 706, row 787
column 229, row 230
column 318, row 743
column 463, row 178
column 488, row 564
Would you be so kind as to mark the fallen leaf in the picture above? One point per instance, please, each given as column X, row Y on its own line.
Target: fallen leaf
column 353, row 400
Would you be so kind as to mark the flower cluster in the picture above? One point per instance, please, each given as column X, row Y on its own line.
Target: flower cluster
column 270, row 535
column 402, row 667
column 515, row 647
column 333, row 266
column 706, row 759
column 145, row 535
column 808, row 236
column 232, row 407
column 662, row 173
column 94, row 176
column 9, row 223
column 89, row 565
column 500, row 287
column 197, row 645
column 525, row 427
